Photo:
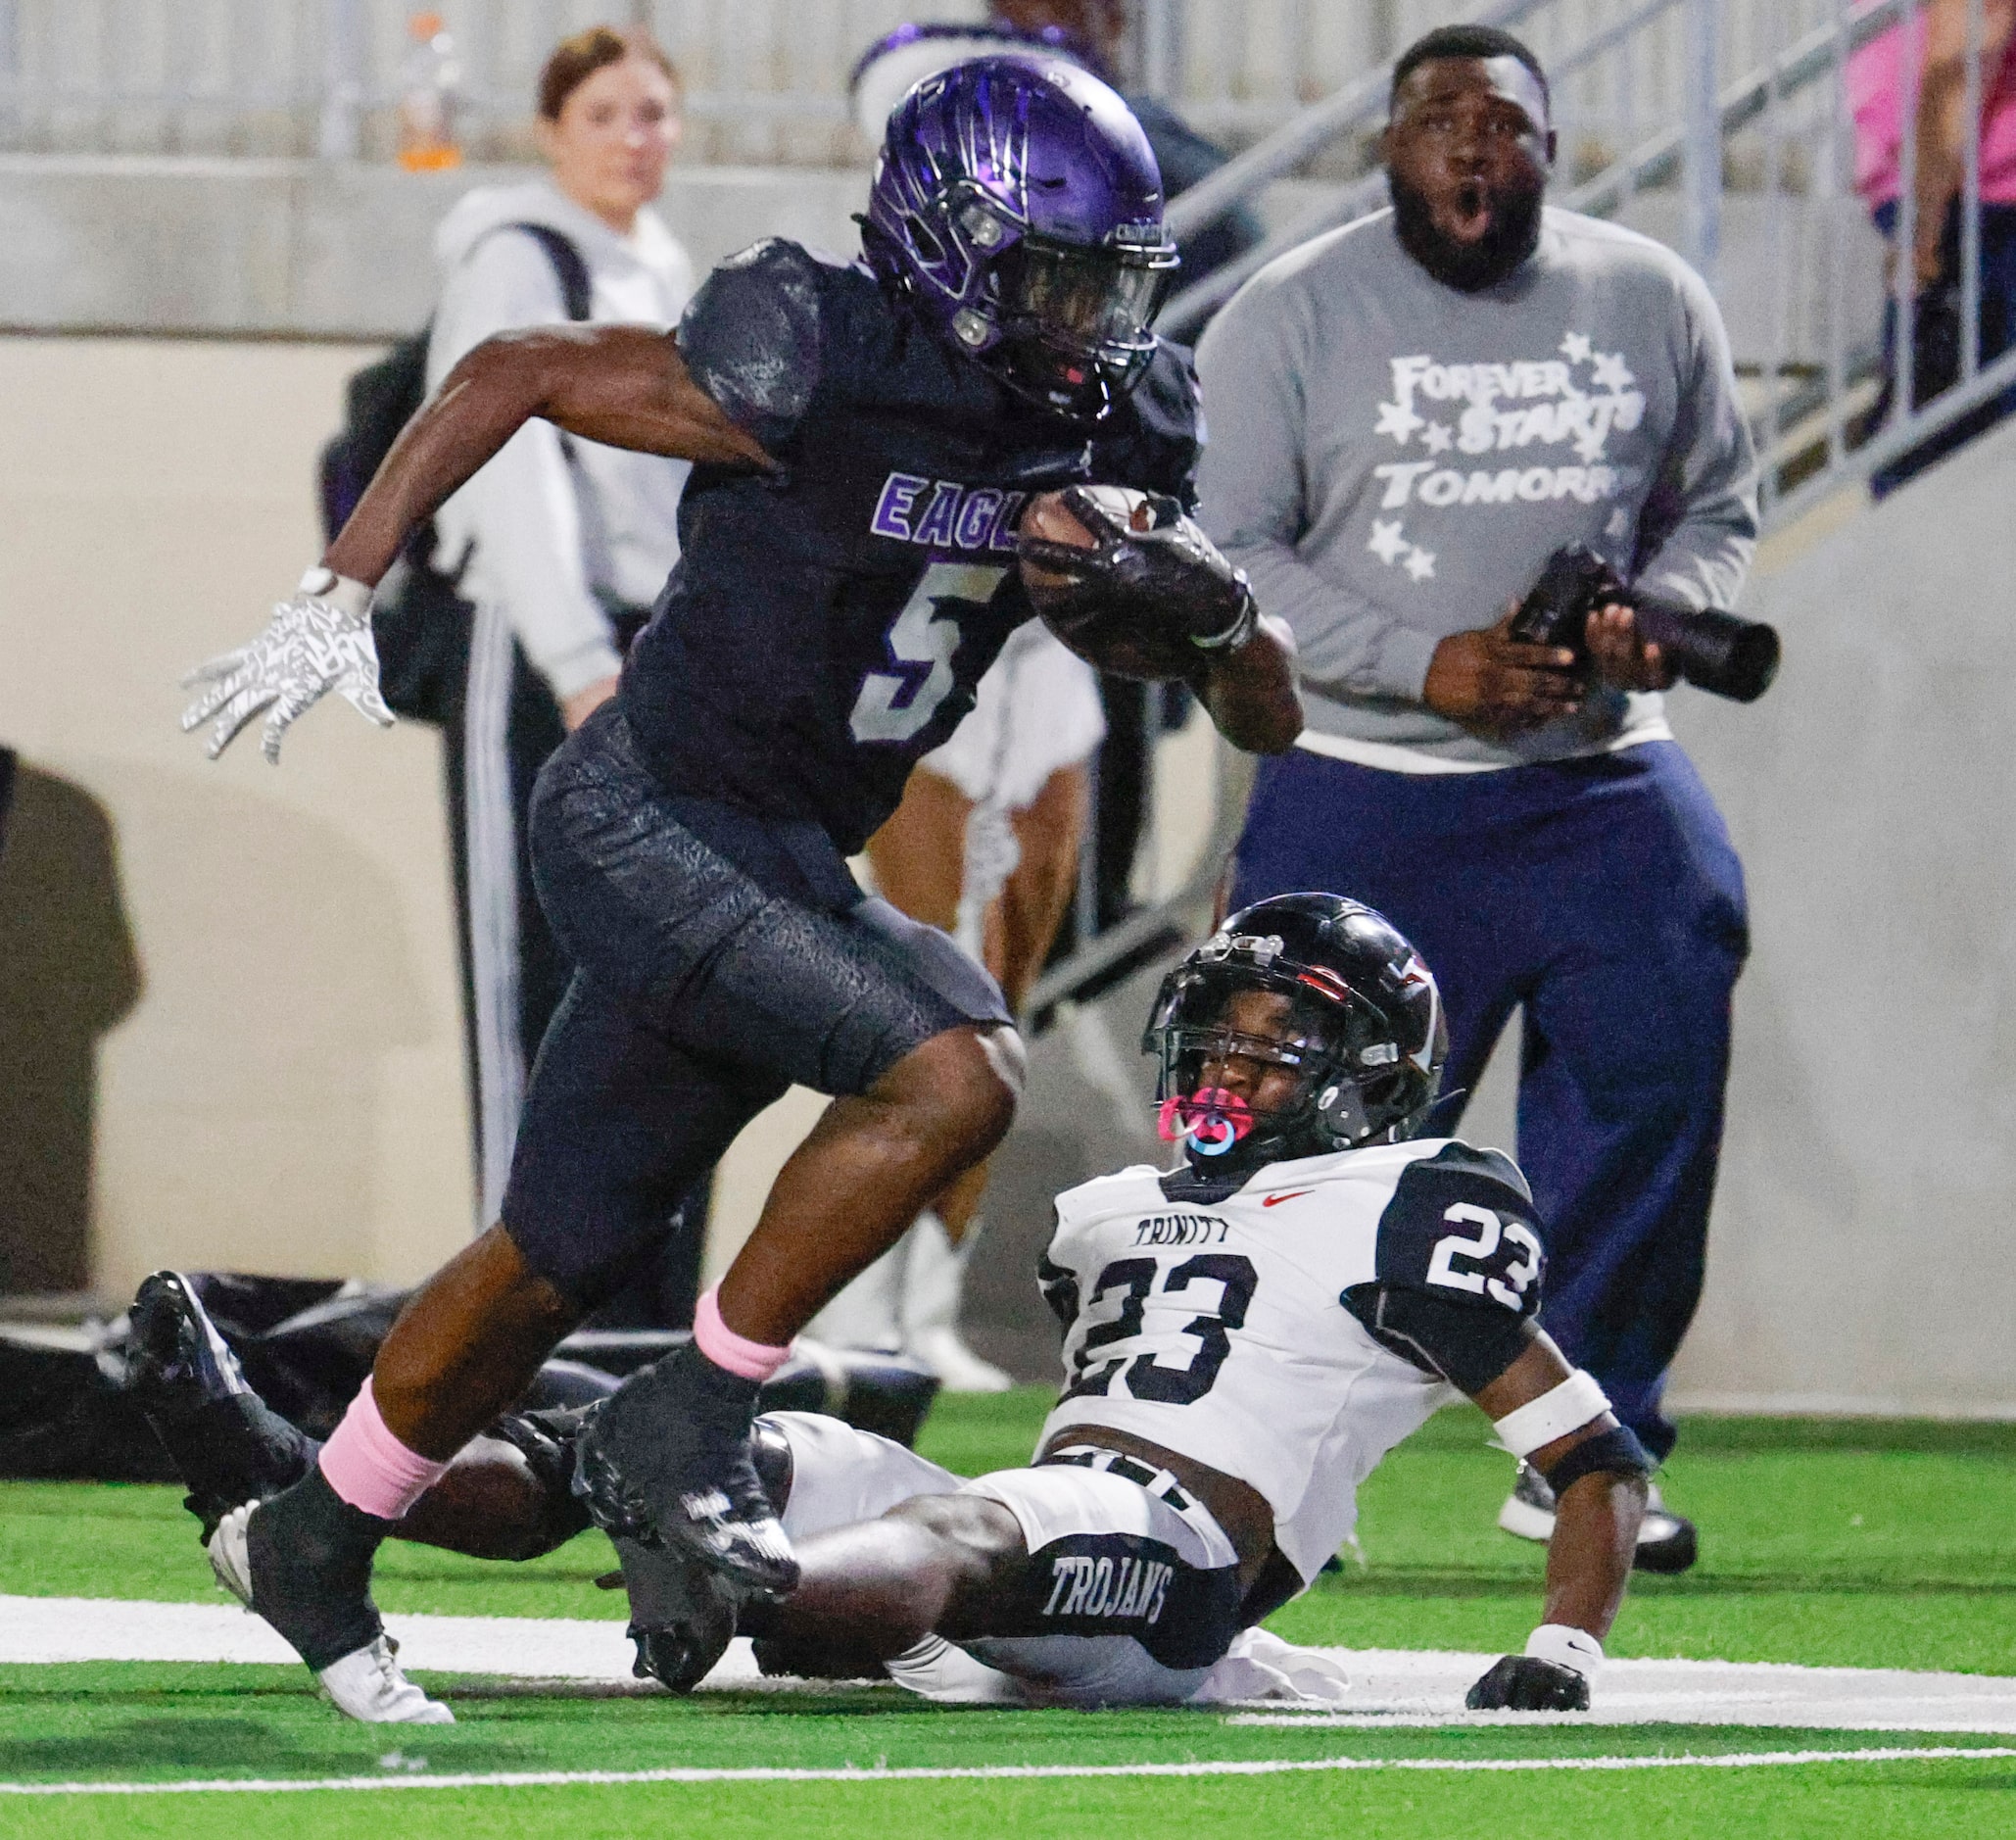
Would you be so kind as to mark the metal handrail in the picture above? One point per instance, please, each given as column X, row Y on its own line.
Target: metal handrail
column 1186, row 312
column 1304, row 134
column 1897, row 440
column 1799, row 66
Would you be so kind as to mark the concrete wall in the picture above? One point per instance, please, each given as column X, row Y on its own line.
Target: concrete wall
column 1861, row 1248
column 258, row 964
column 313, row 248
column 238, row 984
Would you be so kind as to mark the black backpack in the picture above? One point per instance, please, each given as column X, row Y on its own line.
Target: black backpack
column 419, row 618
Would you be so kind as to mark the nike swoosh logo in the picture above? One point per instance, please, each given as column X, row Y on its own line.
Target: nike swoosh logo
column 1274, row 1200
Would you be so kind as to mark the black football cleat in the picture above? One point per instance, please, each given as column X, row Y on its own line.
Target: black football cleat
column 302, row 1562
column 1525, row 1683
column 666, row 1461
column 1668, row 1542
column 228, row 1445
column 682, row 1612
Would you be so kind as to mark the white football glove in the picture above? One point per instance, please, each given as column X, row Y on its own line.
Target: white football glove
column 318, row 642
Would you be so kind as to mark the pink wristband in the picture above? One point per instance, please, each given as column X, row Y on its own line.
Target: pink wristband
column 738, row 1354
column 369, row 1467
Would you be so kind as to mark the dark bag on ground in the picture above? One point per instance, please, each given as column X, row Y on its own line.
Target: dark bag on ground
column 306, row 1345
column 418, row 619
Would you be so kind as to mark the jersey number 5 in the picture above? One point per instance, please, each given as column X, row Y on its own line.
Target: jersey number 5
column 1148, row 1377
column 894, row 706
column 1483, row 1251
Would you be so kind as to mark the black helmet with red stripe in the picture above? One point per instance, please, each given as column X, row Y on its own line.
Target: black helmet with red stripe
column 1356, row 1022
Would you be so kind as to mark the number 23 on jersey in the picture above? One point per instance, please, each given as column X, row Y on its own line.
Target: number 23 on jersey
column 1175, row 1354
column 1459, row 1239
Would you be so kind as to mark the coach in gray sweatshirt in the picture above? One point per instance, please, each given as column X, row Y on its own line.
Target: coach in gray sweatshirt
column 1407, row 417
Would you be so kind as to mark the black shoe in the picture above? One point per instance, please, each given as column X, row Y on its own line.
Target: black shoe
column 682, row 1614
column 667, row 1462
column 302, row 1562
column 228, row 1445
column 1668, row 1542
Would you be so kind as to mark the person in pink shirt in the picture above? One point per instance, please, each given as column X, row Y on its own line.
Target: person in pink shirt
column 1880, row 97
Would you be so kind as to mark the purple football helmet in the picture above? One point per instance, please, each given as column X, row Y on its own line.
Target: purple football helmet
column 1017, row 205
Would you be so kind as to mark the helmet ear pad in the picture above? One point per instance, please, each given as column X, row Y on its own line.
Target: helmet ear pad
column 1340, row 1112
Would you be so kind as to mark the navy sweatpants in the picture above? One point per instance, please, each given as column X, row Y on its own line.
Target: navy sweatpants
column 1603, row 895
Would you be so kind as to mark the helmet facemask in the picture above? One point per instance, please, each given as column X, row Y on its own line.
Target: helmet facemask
column 1076, row 322
column 1220, row 1088
column 1235, row 1097
column 1204, row 1108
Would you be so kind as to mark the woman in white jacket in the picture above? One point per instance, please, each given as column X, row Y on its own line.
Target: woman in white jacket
column 561, row 545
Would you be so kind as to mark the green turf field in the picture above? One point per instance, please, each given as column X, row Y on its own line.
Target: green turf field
column 1867, row 1545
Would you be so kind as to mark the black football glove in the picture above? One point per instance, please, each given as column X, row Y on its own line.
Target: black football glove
column 1170, row 576
column 1525, row 1684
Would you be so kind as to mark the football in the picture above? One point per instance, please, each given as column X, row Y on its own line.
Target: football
column 1117, row 641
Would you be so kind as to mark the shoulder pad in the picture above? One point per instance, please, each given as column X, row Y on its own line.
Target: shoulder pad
column 1087, row 1197
column 1494, row 1165
column 1098, row 1188
column 1469, row 1349
column 751, row 336
column 1460, row 1226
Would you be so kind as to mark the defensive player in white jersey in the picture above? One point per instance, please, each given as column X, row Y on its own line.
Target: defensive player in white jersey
column 1245, row 1337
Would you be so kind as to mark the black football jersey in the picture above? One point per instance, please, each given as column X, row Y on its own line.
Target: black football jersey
column 827, row 623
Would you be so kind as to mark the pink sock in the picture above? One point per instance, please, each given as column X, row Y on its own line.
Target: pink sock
column 752, row 1360
column 369, row 1467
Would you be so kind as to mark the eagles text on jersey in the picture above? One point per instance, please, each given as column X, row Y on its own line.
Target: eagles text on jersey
column 827, row 623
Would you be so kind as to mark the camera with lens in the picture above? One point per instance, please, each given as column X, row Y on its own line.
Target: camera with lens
column 1733, row 658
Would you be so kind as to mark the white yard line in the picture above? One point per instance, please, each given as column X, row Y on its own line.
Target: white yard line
column 99, row 1628
column 1388, row 1686
column 1404, row 1687
column 1270, row 1766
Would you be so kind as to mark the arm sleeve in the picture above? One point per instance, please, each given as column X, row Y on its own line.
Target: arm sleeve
column 1252, row 481
column 520, row 510
column 1699, row 528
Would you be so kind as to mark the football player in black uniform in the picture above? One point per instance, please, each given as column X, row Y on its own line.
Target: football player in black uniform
column 866, row 440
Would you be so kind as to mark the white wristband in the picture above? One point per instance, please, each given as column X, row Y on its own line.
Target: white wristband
column 1568, row 1647
column 1567, row 1408
column 353, row 599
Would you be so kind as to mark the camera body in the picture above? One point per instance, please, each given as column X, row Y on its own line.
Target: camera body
column 1719, row 653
